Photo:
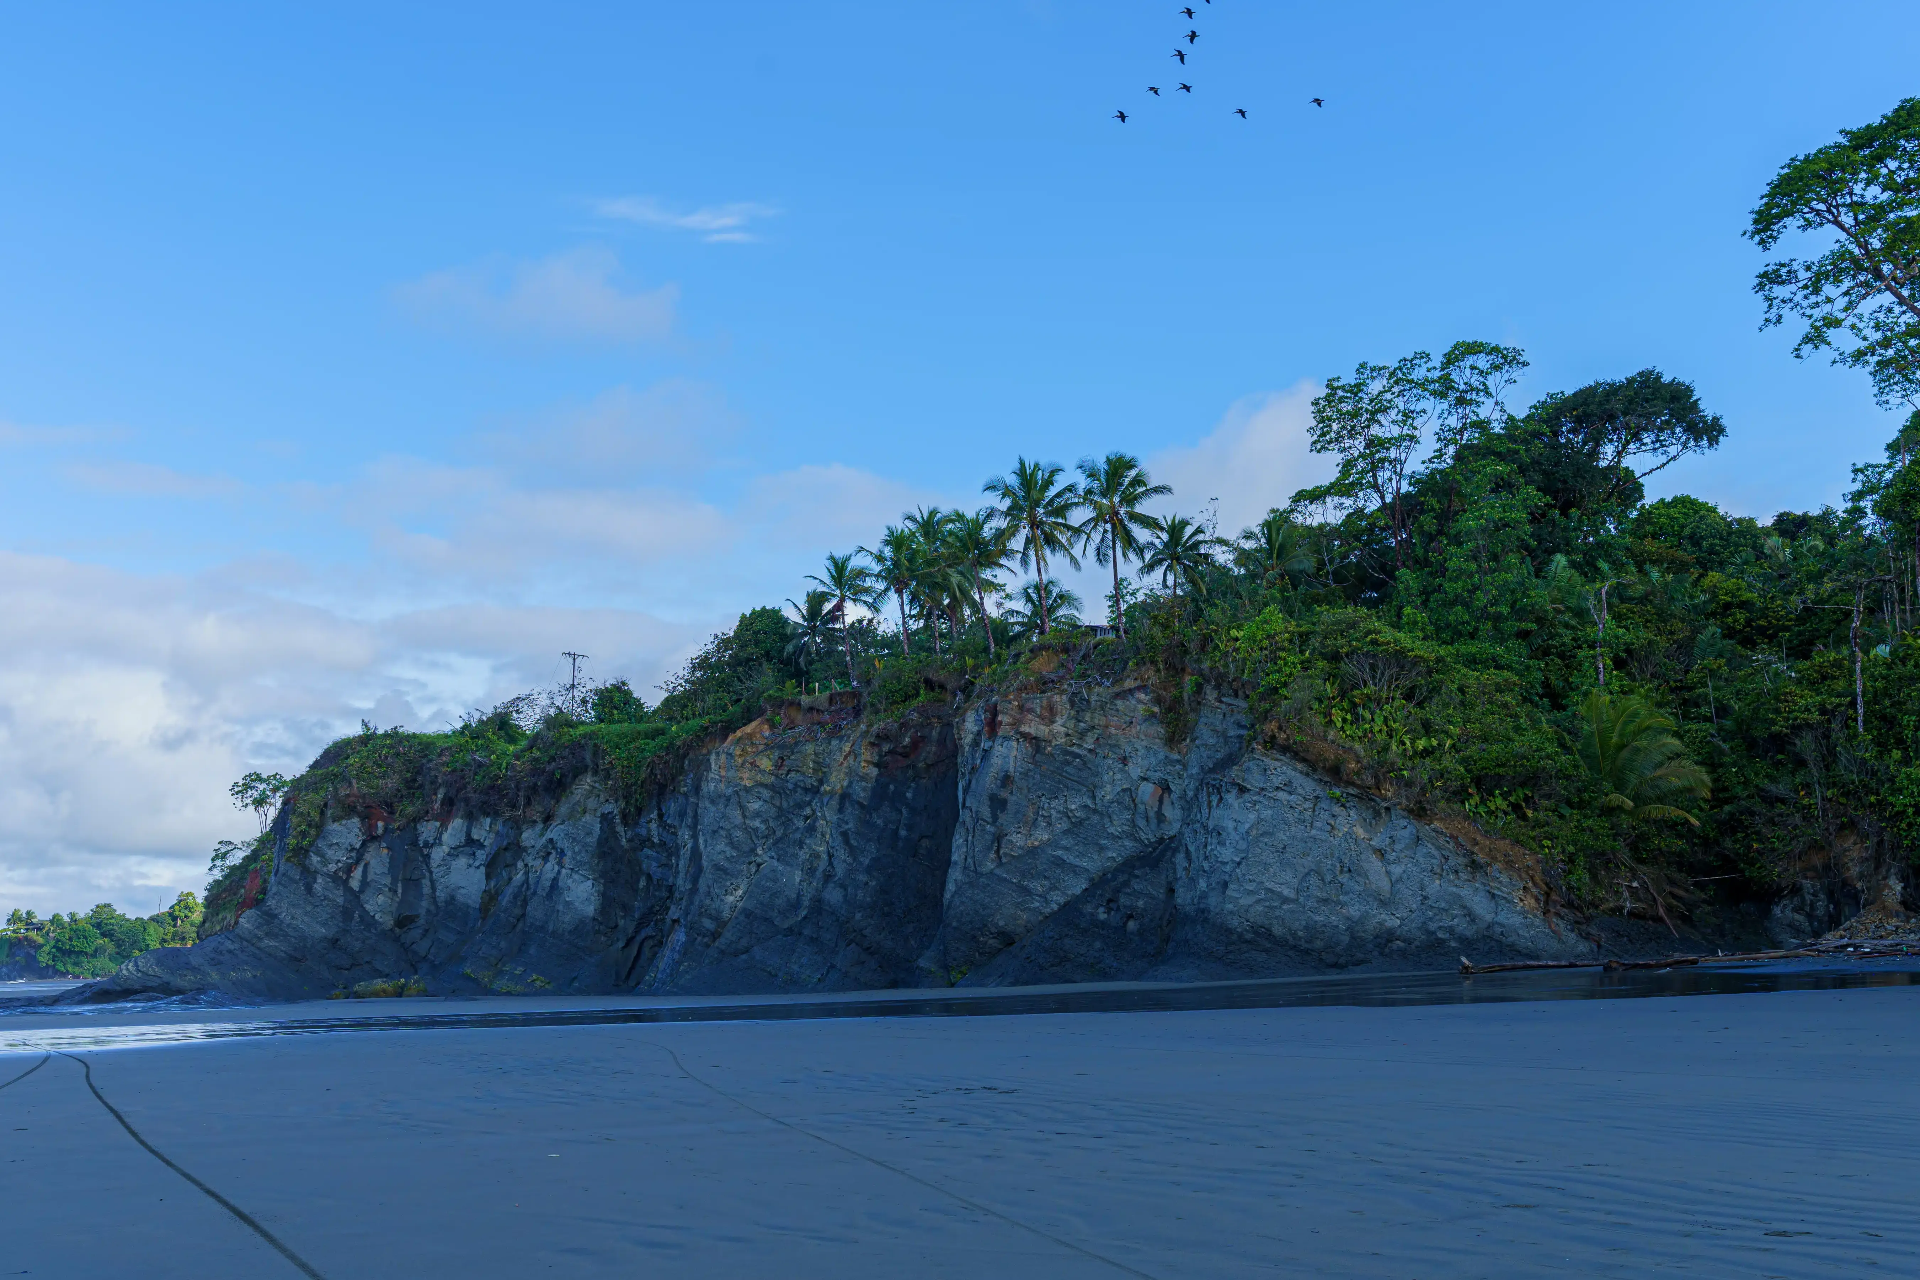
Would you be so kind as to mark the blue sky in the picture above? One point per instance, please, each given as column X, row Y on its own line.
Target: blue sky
column 355, row 362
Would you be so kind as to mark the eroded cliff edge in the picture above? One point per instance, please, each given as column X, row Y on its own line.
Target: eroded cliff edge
column 1048, row 836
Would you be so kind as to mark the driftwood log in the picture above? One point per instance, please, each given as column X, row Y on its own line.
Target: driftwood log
column 1836, row 949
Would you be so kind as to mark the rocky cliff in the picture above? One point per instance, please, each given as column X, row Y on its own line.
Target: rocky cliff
column 1048, row 836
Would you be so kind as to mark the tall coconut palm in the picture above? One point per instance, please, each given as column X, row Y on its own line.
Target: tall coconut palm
column 1181, row 553
column 812, row 623
column 1630, row 749
column 1112, row 491
column 977, row 548
column 929, row 524
column 948, row 590
column 896, row 567
column 928, row 528
column 848, row 582
column 1038, row 510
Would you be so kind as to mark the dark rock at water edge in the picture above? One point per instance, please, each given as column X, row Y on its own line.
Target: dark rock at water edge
column 1043, row 837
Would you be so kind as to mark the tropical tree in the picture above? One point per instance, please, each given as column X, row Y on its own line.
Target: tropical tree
column 1042, row 603
column 976, row 546
column 897, row 565
column 260, row 792
column 813, row 626
column 1563, row 584
column 928, row 525
column 1864, row 190
column 1630, row 749
column 1468, row 388
column 1856, row 569
column 1276, row 548
column 1112, row 491
column 1038, row 511
column 847, row 582
column 949, row 587
column 1622, row 430
column 1373, row 422
column 1183, row 551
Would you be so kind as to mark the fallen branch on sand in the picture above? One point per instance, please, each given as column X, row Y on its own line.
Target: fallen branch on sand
column 1838, row 948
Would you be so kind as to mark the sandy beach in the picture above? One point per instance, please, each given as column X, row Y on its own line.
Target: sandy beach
column 1747, row 1135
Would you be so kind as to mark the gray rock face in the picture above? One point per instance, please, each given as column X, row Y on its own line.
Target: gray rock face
column 801, row 861
column 1048, row 837
column 1088, row 849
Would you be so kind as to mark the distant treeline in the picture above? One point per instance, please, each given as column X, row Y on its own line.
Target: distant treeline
column 98, row 942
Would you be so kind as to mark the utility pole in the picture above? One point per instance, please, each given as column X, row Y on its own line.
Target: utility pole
column 573, row 681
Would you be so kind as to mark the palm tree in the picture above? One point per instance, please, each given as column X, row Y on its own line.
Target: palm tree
column 977, row 547
column 929, row 524
column 1630, row 748
column 948, row 589
column 1041, row 599
column 929, row 528
column 1183, row 550
column 896, row 567
column 813, row 622
column 1112, row 491
column 1038, row 510
column 1276, row 547
column 848, row 583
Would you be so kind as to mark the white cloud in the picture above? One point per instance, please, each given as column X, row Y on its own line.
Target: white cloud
column 717, row 223
column 128, row 703
column 568, row 296
column 1254, row 459
column 125, row 705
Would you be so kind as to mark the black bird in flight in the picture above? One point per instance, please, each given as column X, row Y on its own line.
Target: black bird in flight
column 1180, row 54
column 1154, row 89
column 1318, row 102
column 1192, row 36
column 1186, row 88
column 1188, row 13
column 1121, row 116
column 1241, row 112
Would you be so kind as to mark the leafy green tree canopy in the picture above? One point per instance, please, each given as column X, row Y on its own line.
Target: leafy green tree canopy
column 1864, row 290
column 1598, row 443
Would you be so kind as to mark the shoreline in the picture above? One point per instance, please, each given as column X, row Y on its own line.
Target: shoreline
column 1721, row 1136
column 134, row 1023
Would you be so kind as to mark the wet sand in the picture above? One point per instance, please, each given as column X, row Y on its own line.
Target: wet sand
column 1721, row 1135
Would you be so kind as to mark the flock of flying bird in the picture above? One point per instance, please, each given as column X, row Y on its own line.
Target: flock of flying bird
column 1192, row 37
